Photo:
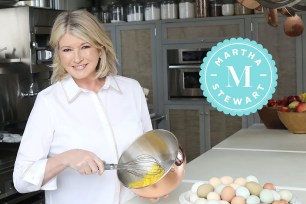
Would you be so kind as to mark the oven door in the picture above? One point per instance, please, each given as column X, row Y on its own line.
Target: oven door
column 184, row 81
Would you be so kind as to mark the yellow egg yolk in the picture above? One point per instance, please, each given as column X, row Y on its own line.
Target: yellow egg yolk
column 153, row 175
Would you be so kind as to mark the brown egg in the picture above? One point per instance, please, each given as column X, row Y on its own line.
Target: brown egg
column 269, row 186
column 280, row 202
column 254, row 188
column 228, row 193
column 204, row 189
column 238, row 200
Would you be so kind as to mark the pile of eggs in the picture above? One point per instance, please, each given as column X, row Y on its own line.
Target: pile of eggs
column 227, row 190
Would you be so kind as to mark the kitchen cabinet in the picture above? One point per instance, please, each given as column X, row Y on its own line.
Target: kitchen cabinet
column 202, row 30
column 186, row 123
column 199, row 127
column 219, row 126
column 136, row 48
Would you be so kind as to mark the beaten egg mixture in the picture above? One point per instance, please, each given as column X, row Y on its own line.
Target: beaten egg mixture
column 153, row 175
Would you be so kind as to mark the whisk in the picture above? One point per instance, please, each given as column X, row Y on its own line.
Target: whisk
column 142, row 165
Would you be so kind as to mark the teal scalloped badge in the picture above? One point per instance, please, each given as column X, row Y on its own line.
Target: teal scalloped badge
column 238, row 76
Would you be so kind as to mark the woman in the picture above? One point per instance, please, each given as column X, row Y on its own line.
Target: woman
column 87, row 117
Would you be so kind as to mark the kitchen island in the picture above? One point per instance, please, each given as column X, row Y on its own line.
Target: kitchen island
column 272, row 155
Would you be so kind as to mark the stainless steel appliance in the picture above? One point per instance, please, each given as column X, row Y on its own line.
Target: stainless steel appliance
column 25, row 36
column 24, row 70
column 183, row 72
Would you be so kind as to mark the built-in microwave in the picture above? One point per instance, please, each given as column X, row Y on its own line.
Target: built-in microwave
column 183, row 72
column 187, row 56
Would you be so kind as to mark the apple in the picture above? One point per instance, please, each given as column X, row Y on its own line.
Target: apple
column 301, row 107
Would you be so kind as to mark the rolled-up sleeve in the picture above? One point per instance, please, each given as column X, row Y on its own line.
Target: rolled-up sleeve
column 33, row 152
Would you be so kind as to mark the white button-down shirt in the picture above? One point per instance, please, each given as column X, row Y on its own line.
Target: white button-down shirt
column 66, row 117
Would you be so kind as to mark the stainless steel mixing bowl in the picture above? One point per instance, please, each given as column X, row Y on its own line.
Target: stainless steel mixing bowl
column 164, row 146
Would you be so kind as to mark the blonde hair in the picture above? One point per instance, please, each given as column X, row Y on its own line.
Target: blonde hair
column 86, row 26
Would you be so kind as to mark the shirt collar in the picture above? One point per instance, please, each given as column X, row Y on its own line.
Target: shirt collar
column 72, row 90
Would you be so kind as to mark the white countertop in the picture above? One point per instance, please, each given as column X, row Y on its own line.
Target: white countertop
column 280, row 168
column 275, row 156
column 258, row 137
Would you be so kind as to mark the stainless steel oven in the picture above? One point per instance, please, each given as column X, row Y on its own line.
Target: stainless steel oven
column 183, row 72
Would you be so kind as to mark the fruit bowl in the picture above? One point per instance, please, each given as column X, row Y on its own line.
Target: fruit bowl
column 294, row 121
column 269, row 117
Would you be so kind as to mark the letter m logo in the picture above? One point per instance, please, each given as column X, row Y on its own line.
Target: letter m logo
column 232, row 73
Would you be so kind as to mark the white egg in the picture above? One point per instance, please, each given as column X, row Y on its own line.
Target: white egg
column 243, row 192
column 253, row 199
column 213, row 196
column 201, row 201
column 227, row 180
column 214, row 181
column 286, row 195
column 276, row 195
column 224, row 202
column 266, row 196
column 219, row 188
column 252, row 178
column 240, row 181
column 196, row 185
column 193, row 197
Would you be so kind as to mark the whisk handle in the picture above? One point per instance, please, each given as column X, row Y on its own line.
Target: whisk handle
column 110, row 166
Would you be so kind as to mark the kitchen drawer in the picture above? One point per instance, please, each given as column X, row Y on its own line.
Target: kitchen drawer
column 203, row 30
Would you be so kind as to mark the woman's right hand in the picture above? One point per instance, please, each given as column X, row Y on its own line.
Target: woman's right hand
column 83, row 161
